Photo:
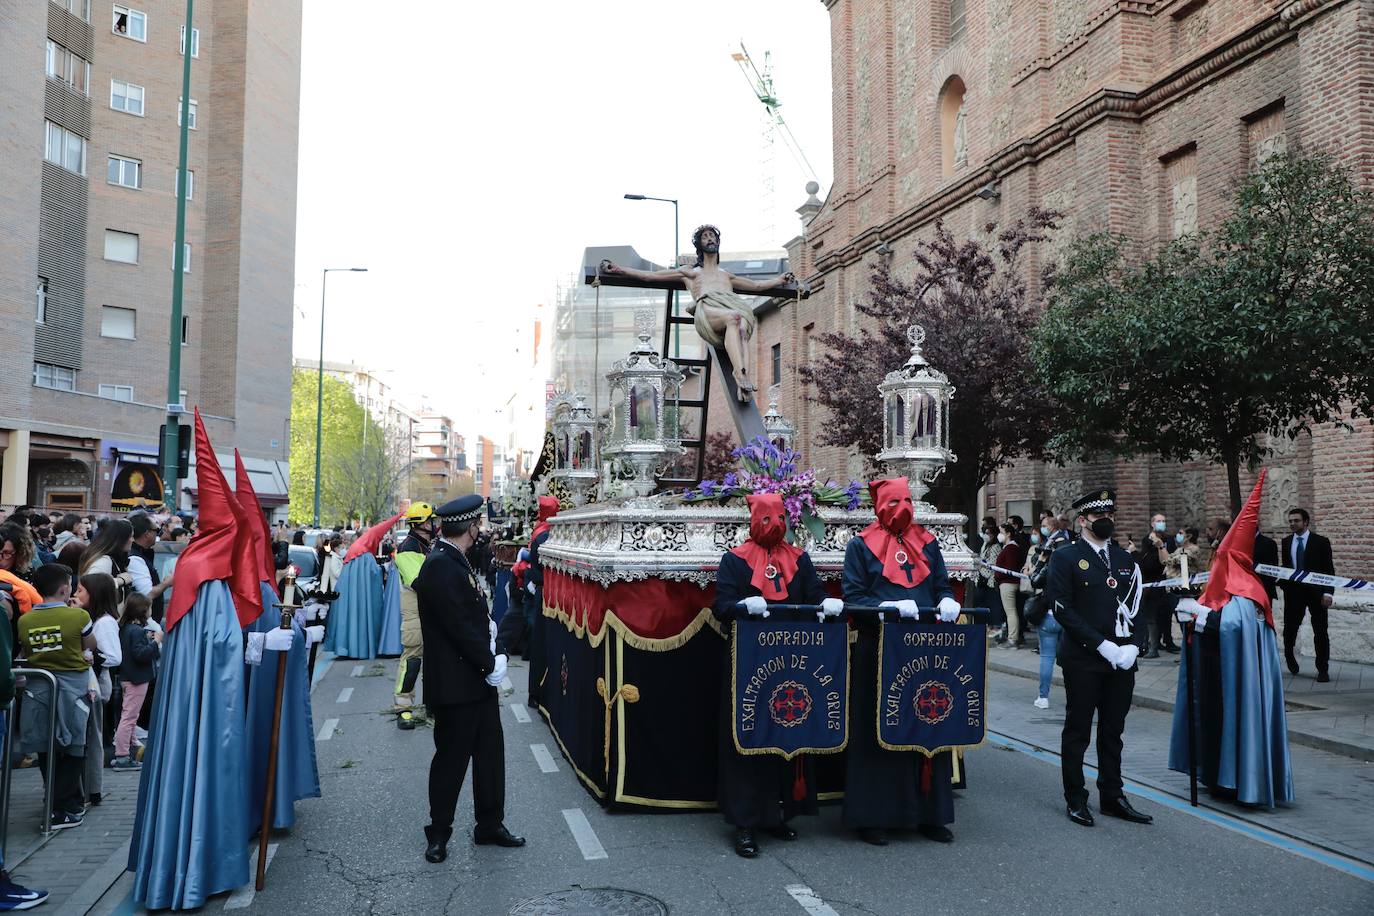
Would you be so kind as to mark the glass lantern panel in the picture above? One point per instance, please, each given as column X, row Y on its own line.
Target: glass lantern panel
column 898, row 404
column 644, row 412
column 583, row 458
column 924, row 431
column 617, row 430
column 562, row 439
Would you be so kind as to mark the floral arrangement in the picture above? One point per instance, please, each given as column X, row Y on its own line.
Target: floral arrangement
column 766, row 468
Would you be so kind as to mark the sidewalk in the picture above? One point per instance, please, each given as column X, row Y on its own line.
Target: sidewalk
column 1337, row 717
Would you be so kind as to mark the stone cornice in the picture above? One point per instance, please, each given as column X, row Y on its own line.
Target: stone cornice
column 1128, row 104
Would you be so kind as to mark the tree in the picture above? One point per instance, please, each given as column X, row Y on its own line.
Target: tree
column 720, row 455
column 463, row 485
column 342, row 434
column 972, row 299
column 1198, row 350
column 366, row 479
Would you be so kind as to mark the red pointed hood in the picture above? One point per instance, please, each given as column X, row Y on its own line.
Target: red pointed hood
column 548, row 508
column 221, row 546
column 368, row 541
column 1233, row 567
column 248, row 500
column 897, row 541
column 772, row 561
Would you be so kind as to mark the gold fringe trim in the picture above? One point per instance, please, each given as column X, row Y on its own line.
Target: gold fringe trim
column 644, row 643
column 587, row 780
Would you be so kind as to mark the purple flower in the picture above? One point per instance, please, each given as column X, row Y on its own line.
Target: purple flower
column 708, row 487
column 731, row 480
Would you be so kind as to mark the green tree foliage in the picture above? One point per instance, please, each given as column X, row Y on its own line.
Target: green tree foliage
column 342, row 436
column 1266, row 326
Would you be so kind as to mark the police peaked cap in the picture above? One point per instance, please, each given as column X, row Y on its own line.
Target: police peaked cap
column 462, row 509
column 1098, row 501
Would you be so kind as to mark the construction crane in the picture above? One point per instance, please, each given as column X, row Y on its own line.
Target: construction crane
column 761, row 83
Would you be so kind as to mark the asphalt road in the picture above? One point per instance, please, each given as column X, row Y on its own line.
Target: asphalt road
column 358, row 849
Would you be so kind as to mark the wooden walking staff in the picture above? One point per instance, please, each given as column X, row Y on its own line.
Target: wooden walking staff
column 1189, row 631
column 272, row 752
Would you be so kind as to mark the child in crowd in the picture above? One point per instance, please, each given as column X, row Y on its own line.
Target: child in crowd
column 141, row 650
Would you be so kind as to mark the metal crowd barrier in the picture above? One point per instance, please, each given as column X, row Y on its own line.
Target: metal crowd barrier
column 6, row 773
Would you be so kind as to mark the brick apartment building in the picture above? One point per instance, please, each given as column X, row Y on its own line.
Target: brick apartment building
column 87, row 219
column 1131, row 117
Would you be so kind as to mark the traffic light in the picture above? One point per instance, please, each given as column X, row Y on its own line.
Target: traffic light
column 183, row 450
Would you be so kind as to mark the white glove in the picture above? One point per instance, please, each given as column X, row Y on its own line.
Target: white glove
column 949, row 610
column 529, row 587
column 830, row 607
column 1190, row 611
column 756, row 606
column 1128, row 656
column 279, row 640
column 905, row 607
column 314, row 634
column 1110, row 651
column 498, row 674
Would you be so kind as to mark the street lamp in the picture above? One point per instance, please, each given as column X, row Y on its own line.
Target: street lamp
column 677, row 339
column 319, row 389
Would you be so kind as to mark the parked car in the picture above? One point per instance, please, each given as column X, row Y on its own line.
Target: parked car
column 307, row 564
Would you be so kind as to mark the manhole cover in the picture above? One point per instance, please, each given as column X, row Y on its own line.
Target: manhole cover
column 591, row 901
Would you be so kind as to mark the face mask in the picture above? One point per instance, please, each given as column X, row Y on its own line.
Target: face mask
column 1179, row 538
column 1102, row 528
column 766, row 523
column 1035, row 539
column 1159, row 526
column 1044, row 531
column 1002, row 538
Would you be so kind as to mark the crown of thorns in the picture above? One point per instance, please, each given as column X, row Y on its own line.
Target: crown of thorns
column 696, row 236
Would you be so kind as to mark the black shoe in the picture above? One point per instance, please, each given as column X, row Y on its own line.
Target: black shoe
column 1080, row 815
column 745, row 845
column 499, row 836
column 936, row 832
column 1153, row 653
column 94, row 799
column 783, row 832
column 1323, row 677
column 1122, row 809
column 1292, row 664
column 406, row 721
column 437, row 849
column 1171, row 647
column 874, row 836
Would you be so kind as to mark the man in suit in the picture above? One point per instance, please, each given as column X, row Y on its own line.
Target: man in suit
column 463, row 665
column 1094, row 590
column 1306, row 551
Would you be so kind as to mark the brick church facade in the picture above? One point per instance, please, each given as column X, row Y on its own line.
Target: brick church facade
column 1131, row 117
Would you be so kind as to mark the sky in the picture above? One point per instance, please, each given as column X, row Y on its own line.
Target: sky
column 468, row 173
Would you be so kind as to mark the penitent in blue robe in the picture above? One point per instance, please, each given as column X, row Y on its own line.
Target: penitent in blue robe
column 389, row 630
column 190, row 837
column 1241, row 727
column 356, row 617
column 297, row 771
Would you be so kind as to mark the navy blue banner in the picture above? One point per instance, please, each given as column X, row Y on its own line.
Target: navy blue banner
column 932, row 681
column 790, row 690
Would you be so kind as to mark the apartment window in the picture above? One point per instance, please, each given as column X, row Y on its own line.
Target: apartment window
column 46, row 375
column 65, row 148
column 116, row 392
column 777, row 364
column 69, row 68
column 126, row 97
column 190, row 183
column 185, row 336
column 192, row 120
column 40, row 301
column 130, row 23
column 80, row 8
column 185, row 257
column 127, row 173
column 956, row 19
column 117, row 322
column 121, row 246
column 195, row 42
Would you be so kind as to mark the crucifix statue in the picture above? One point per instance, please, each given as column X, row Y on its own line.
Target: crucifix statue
column 721, row 316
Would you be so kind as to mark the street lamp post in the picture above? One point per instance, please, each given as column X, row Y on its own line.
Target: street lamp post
column 677, row 331
column 319, row 391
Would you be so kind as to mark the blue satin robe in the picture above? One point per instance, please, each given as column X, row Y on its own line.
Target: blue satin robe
column 1241, row 725
column 389, row 629
column 297, row 771
column 190, row 837
column 356, row 617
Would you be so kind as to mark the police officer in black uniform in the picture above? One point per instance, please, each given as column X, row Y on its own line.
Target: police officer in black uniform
column 463, row 665
column 1094, row 590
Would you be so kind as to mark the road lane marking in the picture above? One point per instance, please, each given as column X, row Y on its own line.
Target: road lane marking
column 584, row 834
column 809, row 901
column 345, row 695
column 327, row 730
column 520, row 712
column 1256, row 832
column 543, row 758
column 242, row 896
column 357, row 671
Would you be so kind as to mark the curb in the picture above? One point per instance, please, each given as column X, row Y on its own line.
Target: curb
column 1341, row 746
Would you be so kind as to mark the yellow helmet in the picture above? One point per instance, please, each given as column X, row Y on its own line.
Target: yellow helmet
column 419, row 513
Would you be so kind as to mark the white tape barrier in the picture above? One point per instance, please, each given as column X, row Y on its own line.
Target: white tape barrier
column 1278, row 572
